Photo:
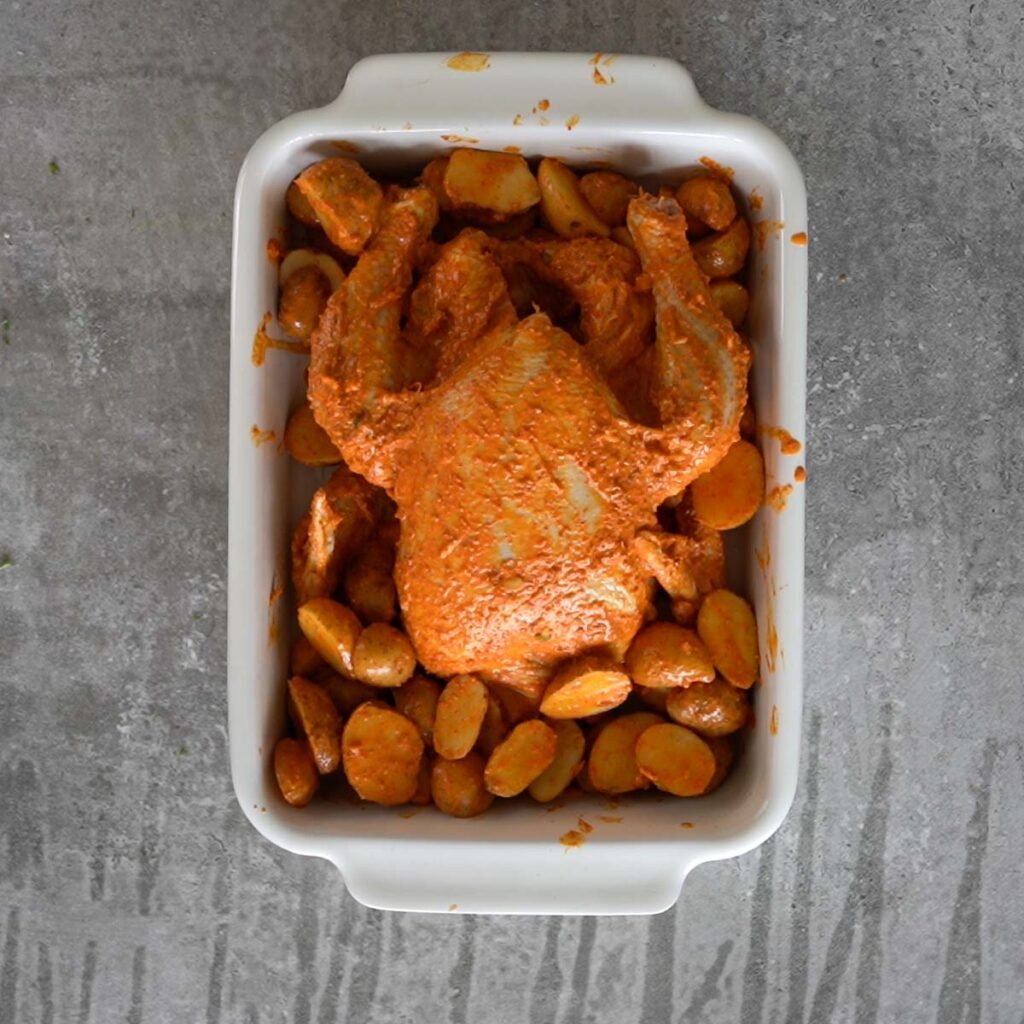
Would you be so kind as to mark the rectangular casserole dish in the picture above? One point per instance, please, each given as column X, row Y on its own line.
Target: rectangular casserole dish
column 644, row 117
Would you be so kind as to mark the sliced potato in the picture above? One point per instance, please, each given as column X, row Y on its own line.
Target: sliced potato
column 370, row 585
column 296, row 771
column 566, row 764
column 383, row 656
column 708, row 200
column 346, row 693
column 332, row 629
column 458, row 786
column 612, row 762
column 299, row 206
column 493, row 729
column 300, row 259
column 520, row 758
column 517, row 706
column 461, row 710
column 423, row 796
column 666, row 655
column 712, row 709
column 307, row 442
column 501, row 182
column 654, row 697
column 722, row 748
column 432, row 176
column 316, row 715
column 723, row 254
column 732, row 299
column 302, row 299
column 585, row 686
column 303, row 659
column 726, row 624
column 608, row 194
column 345, row 199
column 382, row 751
column 675, row 759
column 562, row 202
column 417, row 700
column 730, row 493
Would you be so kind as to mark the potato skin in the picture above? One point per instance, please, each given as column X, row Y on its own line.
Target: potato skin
column 520, row 758
column 726, row 624
column 383, row 656
column 664, row 654
column 457, row 787
column 295, row 771
column 715, row 708
column 320, row 721
column 381, row 752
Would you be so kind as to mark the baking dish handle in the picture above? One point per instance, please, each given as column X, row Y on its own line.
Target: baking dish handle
column 471, row 92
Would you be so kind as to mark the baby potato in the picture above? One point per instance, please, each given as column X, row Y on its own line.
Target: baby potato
column 303, row 298
column 722, row 748
column 346, row 693
column 303, row 659
column 298, row 259
column 612, row 762
column 520, row 758
column 723, row 254
column 417, row 700
column 567, row 761
column 666, row 655
column 296, row 771
column 654, row 696
column 382, row 750
column 516, row 706
column 299, row 206
column 432, row 176
column 493, row 729
column 370, row 587
column 732, row 299
column 458, row 786
column 383, row 656
column 712, row 709
column 332, row 629
column 608, row 195
column 345, row 199
column 318, row 718
column 726, row 624
column 562, row 202
column 461, row 709
column 501, row 182
column 307, row 442
column 423, row 796
column 708, row 200
column 730, row 493
column 585, row 686
column 675, row 759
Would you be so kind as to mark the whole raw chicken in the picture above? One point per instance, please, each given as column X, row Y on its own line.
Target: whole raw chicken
column 526, row 492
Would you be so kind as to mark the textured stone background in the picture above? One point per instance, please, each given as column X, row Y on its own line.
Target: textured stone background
column 131, row 888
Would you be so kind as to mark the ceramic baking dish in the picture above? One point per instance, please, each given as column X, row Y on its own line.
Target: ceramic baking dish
column 642, row 116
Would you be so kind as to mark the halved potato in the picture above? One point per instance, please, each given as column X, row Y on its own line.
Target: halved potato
column 732, row 299
column 566, row 764
column 345, row 199
column 296, row 771
column 417, row 700
column 461, row 709
column 611, row 765
column 726, row 624
column 664, row 655
column 382, row 750
column 319, row 720
column 383, row 656
column 307, row 442
column 458, row 786
column 723, row 254
column 520, row 758
column 332, row 629
column 299, row 206
column 707, row 199
column 500, row 182
column 585, row 686
column 346, row 693
column 303, row 659
column 675, row 759
column 300, row 259
column 493, row 729
column 370, row 585
column 712, row 709
column 568, row 213
column 730, row 493
column 608, row 193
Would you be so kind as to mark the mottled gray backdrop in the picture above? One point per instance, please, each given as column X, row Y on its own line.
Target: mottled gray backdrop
column 131, row 887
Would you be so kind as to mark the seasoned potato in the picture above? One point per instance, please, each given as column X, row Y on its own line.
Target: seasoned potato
column 461, row 710
column 422, row 797
column 655, row 697
column 623, row 237
column 726, row 624
column 345, row 199
column 520, row 758
column 563, row 204
column 493, row 730
column 501, row 182
column 370, row 585
column 303, row 659
column 382, row 750
column 713, row 709
column 299, row 206
column 748, row 422
column 675, row 759
column 332, row 629
column 303, row 298
column 612, row 763
column 417, row 700
column 732, row 299
column 300, row 259
column 307, row 442
column 723, row 254
column 296, row 771
column 567, row 761
column 517, row 706
column 383, row 656
column 730, row 493
column 432, row 176
column 585, row 686
column 608, row 195
column 458, row 786
column 316, row 715
column 708, row 200
column 346, row 693
column 722, row 748
column 664, row 655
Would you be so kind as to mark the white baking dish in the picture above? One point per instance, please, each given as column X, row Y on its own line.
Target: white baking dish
column 648, row 120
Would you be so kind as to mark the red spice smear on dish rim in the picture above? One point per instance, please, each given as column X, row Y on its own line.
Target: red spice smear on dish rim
column 787, row 442
column 776, row 498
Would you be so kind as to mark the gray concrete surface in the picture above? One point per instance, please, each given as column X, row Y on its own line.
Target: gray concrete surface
column 131, row 888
